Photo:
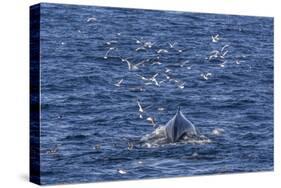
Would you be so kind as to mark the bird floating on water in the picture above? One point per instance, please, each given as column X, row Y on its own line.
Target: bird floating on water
column 111, row 42
column 53, row 150
column 156, row 63
column 120, row 171
column 97, row 147
column 167, row 70
column 222, row 64
column 138, row 41
column 161, row 109
column 151, row 120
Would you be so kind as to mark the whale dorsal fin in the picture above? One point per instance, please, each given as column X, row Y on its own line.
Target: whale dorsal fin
column 178, row 126
column 179, row 109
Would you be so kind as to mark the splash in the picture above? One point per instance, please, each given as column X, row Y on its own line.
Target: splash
column 158, row 138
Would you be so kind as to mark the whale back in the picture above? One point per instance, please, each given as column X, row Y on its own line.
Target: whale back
column 178, row 126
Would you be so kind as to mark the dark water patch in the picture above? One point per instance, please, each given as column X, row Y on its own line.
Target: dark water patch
column 75, row 137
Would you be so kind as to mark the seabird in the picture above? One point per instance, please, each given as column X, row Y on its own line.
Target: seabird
column 97, row 146
column 167, row 76
column 172, row 44
column 162, row 51
column 167, row 70
column 91, row 19
column 118, row 84
column 156, row 63
column 206, row 76
column 152, row 79
column 140, row 107
column 132, row 66
column 111, row 42
column 148, row 44
column 215, row 38
column 140, row 49
column 181, row 85
column 120, row 171
column 223, row 48
column 106, row 54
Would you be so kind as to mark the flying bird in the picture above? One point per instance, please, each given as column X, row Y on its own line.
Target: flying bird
column 92, row 19
column 148, row 44
column 206, row 76
column 108, row 51
column 162, row 51
column 118, row 84
column 152, row 79
column 132, row 66
column 172, row 45
column 140, row 107
column 215, row 38
column 181, row 85
column 140, row 49
column 224, row 47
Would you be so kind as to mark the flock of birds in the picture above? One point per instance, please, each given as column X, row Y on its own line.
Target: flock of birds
column 163, row 76
column 159, row 78
column 152, row 80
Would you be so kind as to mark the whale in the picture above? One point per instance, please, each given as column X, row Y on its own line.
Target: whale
column 178, row 127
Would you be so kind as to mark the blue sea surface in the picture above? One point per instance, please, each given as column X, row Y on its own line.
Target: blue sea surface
column 88, row 120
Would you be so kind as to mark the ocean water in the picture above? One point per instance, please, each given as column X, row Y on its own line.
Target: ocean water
column 91, row 125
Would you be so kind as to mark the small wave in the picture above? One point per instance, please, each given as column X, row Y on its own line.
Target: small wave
column 158, row 139
column 199, row 140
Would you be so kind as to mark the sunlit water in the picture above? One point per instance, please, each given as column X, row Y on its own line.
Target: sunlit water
column 91, row 128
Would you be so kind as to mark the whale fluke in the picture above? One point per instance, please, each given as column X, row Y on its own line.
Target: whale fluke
column 179, row 126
